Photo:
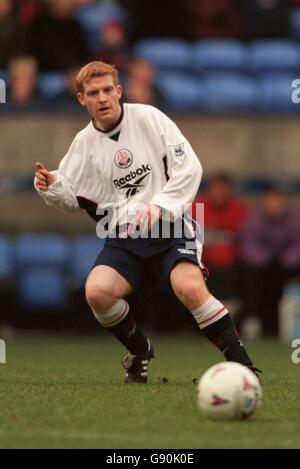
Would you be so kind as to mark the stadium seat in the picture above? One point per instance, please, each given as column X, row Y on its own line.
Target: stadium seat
column 295, row 20
column 85, row 249
column 51, row 84
column 165, row 54
column 43, row 287
column 277, row 55
column 274, row 94
column 182, row 92
column 218, row 55
column 41, row 250
column 6, row 258
column 229, row 92
column 252, row 185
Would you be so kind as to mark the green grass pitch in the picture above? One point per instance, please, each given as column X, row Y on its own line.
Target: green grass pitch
column 69, row 393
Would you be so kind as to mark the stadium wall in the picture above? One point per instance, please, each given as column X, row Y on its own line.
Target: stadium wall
column 243, row 145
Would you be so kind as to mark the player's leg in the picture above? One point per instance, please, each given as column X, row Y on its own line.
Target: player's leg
column 211, row 315
column 115, row 275
column 105, row 290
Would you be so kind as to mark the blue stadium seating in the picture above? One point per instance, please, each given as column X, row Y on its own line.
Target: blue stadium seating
column 252, row 185
column 85, row 249
column 51, row 84
column 43, row 287
column 6, row 258
column 41, row 250
column 277, row 55
column 165, row 54
column 218, row 55
column 274, row 93
column 42, row 262
column 182, row 92
column 229, row 93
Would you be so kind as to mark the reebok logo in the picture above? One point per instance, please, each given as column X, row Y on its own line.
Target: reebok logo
column 132, row 186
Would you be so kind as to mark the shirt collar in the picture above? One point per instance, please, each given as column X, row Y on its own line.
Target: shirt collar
column 114, row 128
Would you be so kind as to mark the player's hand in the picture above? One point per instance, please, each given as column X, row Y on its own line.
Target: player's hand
column 44, row 177
column 146, row 218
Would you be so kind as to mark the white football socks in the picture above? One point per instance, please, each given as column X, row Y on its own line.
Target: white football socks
column 208, row 313
column 114, row 315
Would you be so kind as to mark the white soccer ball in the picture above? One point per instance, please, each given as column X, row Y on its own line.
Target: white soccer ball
column 229, row 391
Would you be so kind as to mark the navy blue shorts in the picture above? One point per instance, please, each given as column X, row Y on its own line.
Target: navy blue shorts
column 134, row 258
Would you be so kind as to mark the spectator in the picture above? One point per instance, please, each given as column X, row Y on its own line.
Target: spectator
column 224, row 215
column 57, row 39
column 211, row 19
column 22, row 91
column 140, row 86
column 12, row 35
column 271, row 253
column 113, row 47
column 264, row 18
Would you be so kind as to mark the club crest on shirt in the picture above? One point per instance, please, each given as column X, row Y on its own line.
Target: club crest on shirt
column 178, row 151
column 123, row 159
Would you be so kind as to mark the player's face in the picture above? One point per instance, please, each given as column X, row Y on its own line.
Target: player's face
column 101, row 98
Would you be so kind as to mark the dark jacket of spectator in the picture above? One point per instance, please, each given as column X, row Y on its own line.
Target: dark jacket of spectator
column 57, row 41
column 12, row 36
column 155, row 18
column 211, row 19
column 264, row 18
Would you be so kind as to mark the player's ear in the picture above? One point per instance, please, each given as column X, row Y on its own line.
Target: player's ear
column 120, row 91
column 80, row 97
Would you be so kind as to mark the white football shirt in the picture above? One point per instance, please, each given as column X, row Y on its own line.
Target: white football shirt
column 144, row 159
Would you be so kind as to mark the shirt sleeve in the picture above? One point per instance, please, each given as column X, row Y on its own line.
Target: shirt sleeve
column 183, row 171
column 61, row 194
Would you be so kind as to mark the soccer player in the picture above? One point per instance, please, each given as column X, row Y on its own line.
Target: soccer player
column 133, row 156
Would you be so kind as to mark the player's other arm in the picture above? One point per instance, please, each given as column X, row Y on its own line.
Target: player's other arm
column 55, row 189
column 182, row 169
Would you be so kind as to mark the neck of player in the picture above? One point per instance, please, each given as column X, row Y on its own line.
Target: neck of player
column 107, row 127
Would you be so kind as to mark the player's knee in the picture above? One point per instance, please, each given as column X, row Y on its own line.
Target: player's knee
column 191, row 294
column 98, row 297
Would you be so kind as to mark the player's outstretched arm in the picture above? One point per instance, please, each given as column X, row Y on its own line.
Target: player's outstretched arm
column 55, row 189
column 44, row 178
